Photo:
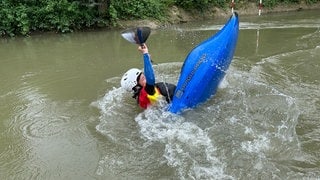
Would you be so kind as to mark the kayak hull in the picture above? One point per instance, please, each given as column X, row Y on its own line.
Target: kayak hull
column 205, row 66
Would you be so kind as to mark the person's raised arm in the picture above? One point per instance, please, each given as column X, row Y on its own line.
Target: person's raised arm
column 148, row 69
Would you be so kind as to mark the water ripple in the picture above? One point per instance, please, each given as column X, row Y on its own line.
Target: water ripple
column 35, row 115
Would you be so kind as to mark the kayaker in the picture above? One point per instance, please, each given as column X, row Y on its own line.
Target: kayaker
column 142, row 84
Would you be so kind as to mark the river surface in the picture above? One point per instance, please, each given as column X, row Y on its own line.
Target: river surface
column 64, row 115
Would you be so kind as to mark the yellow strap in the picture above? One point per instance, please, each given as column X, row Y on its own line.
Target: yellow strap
column 154, row 98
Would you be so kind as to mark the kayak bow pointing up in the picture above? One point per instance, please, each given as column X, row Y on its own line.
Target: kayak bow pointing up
column 205, row 67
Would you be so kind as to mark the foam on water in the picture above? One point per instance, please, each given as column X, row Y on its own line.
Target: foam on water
column 188, row 148
column 193, row 145
column 247, row 130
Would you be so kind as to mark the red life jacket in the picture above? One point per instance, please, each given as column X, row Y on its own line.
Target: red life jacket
column 146, row 99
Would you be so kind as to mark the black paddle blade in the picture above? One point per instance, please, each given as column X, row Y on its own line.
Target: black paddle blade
column 137, row 35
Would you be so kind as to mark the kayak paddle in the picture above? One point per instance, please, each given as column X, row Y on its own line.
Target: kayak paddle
column 138, row 35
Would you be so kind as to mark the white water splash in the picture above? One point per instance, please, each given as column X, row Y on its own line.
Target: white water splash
column 188, row 148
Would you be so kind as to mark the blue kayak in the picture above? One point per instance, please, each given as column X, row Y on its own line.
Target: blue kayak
column 205, row 67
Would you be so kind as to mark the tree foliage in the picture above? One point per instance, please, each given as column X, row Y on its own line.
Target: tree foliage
column 25, row 16
column 200, row 4
column 21, row 17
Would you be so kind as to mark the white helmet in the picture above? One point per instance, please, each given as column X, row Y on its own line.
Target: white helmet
column 130, row 79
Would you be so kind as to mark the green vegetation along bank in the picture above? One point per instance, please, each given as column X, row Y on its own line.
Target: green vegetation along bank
column 22, row 17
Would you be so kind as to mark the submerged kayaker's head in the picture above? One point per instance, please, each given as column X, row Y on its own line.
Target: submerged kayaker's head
column 133, row 79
